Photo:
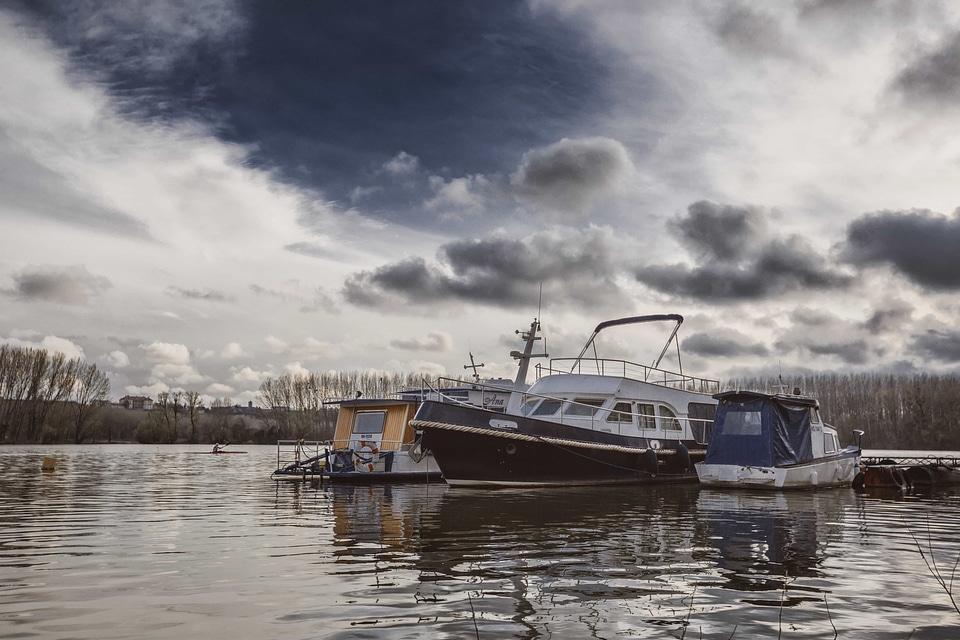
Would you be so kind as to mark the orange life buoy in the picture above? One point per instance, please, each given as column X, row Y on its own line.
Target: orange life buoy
column 366, row 456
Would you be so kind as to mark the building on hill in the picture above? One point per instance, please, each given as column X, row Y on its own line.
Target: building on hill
column 137, row 402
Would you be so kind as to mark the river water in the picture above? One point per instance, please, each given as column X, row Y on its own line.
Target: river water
column 129, row 541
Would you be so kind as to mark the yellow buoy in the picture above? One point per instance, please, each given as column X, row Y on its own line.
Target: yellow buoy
column 49, row 463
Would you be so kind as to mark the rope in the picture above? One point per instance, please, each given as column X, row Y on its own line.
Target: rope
column 514, row 435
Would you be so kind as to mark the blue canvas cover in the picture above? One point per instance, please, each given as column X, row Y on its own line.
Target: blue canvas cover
column 760, row 430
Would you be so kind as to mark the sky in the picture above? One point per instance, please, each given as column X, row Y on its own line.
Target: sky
column 199, row 195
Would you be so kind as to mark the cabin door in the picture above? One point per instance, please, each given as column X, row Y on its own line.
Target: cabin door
column 367, row 430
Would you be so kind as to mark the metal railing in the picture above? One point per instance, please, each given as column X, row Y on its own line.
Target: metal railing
column 630, row 370
column 296, row 451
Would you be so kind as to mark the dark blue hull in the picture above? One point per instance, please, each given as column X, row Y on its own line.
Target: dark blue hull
column 469, row 451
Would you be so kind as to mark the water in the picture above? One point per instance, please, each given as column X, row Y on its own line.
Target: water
column 125, row 541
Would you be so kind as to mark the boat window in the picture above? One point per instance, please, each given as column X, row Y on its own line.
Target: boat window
column 583, row 407
column 647, row 419
column 668, row 419
column 529, row 405
column 830, row 444
column 621, row 413
column 547, row 408
column 369, row 421
column 741, row 423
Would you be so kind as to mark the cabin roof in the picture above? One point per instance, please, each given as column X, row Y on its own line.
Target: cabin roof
column 371, row 402
column 779, row 398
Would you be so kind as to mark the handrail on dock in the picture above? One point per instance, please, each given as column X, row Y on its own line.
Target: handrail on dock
column 906, row 461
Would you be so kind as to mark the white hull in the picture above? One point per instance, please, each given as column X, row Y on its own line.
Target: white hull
column 826, row 472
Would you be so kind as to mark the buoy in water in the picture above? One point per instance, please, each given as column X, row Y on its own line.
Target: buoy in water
column 49, row 464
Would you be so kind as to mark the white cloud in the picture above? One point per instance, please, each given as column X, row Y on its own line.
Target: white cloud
column 116, row 359
column 402, row 164
column 52, row 344
column 176, row 374
column 296, row 369
column 219, row 390
column 246, row 375
column 458, row 197
column 276, row 345
column 232, row 351
column 167, row 353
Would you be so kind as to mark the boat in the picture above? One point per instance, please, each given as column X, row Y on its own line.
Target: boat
column 585, row 420
column 775, row 441
column 374, row 440
column 214, row 453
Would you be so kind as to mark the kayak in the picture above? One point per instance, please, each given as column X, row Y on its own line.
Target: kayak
column 215, row 453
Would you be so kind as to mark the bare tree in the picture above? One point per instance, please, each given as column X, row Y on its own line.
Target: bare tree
column 90, row 391
column 193, row 406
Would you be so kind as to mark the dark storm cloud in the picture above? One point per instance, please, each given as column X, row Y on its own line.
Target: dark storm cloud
column 853, row 351
column 496, row 271
column 73, row 285
column 825, row 334
column 195, row 294
column 720, row 232
column 940, row 346
column 921, row 245
column 739, row 259
column 727, row 344
column 890, row 318
column 325, row 93
column 569, row 173
column 934, row 77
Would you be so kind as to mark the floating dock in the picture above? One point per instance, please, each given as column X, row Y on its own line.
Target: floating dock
column 909, row 472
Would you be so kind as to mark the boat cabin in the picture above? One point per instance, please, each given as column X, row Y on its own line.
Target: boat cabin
column 622, row 406
column 381, row 423
column 764, row 430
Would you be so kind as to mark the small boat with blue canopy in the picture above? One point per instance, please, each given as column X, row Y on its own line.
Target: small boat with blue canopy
column 775, row 441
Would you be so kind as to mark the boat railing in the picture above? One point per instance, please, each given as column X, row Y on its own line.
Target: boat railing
column 295, row 452
column 383, row 445
column 630, row 370
column 454, row 391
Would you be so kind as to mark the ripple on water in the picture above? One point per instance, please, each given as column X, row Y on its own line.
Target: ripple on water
column 146, row 542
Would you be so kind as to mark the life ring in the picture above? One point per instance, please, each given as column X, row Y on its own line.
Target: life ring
column 365, row 457
column 893, row 477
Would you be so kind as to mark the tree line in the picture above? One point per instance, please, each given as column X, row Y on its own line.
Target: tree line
column 918, row 411
column 46, row 397
column 304, row 406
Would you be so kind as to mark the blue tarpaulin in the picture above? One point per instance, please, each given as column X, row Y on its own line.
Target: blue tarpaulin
column 760, row 430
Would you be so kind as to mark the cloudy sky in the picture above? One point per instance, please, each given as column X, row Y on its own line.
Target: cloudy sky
column 199, row 194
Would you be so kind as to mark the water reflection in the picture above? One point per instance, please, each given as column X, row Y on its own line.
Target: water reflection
column 766, row 539
column 193, row 545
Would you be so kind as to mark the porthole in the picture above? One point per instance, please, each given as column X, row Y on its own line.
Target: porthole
column 511, row 449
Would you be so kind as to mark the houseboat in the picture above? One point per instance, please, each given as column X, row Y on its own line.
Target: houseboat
column 585, row 420
column 374, row 440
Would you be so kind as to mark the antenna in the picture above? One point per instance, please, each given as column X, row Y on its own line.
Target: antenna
column 782, row 386
column 473, row 365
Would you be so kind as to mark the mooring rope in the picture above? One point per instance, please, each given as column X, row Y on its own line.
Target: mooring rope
column 512, row 435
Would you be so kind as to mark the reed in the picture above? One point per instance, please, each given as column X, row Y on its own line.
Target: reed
column 930, row 559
